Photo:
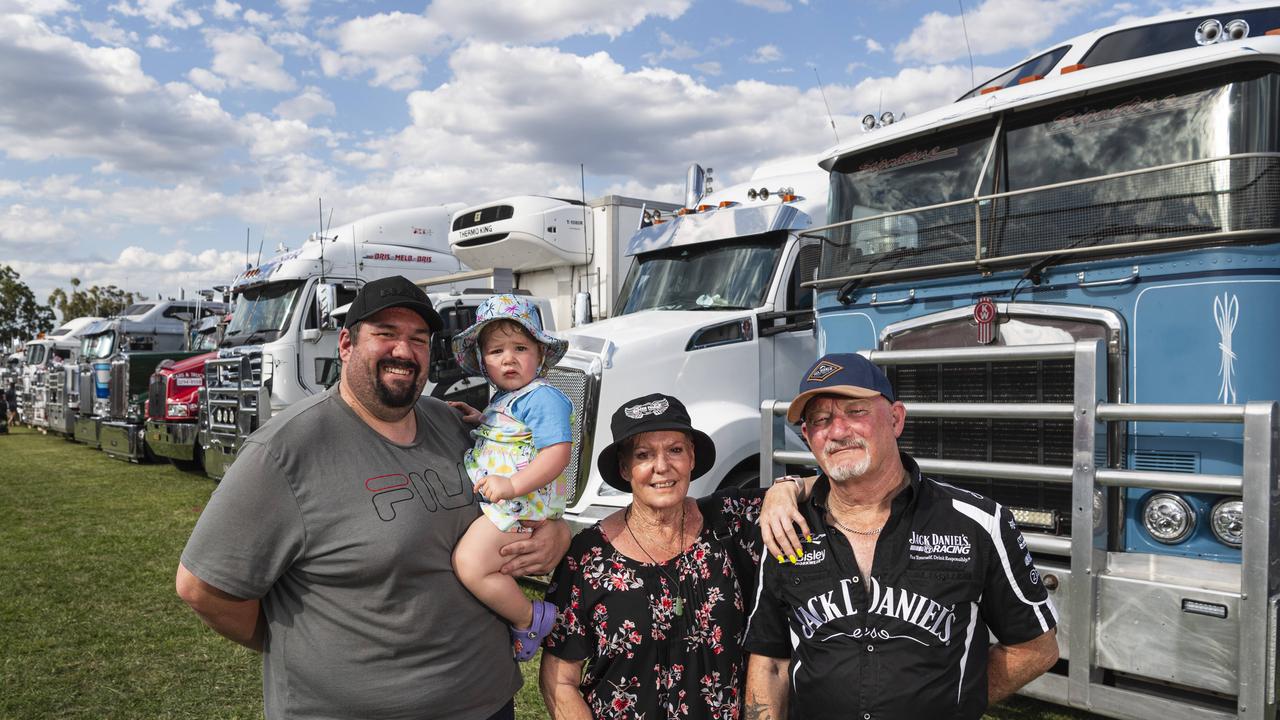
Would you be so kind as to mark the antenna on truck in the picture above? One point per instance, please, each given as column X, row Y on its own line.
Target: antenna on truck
column 830, row 119
column 246, row 249
column 965, row 28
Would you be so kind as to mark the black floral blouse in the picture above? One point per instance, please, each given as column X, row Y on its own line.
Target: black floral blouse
column 643, row 659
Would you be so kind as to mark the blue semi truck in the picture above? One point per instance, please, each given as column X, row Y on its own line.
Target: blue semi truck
column 1072, row 277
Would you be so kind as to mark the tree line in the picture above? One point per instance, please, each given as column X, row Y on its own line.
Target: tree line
column 22, row 317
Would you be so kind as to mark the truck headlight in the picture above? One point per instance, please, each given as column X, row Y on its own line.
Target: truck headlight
column 1227, row 521
column 1168, row 518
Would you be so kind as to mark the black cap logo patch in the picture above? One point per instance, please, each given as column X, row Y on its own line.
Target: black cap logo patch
column 824, row 370
column 657, row 407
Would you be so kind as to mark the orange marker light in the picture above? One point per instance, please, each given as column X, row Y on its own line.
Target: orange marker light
column 704, row 208
column 726, row 203
column 988, row 91
column 1272, row 31
column 1072, row 68
column 1030, row 79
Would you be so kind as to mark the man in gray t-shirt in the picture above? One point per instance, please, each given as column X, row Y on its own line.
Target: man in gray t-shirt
column 328, row 544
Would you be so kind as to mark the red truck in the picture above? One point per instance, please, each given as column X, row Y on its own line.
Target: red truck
column 173, row 401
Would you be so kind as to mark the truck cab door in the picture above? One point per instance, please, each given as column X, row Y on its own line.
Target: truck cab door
column 318, row 364
column 787, row 342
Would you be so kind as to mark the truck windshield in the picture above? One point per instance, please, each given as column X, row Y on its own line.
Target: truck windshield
column 261, row 313
column 1186, row 157
column 98, row 346
column 35, row 354
column 730, row 275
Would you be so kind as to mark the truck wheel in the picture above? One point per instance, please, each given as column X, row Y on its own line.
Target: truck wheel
column 741, row 478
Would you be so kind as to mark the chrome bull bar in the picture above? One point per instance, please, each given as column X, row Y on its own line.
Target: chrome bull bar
column 1259, row 574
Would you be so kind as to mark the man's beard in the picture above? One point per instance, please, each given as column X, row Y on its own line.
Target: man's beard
column 841, row 472
column 397, row 398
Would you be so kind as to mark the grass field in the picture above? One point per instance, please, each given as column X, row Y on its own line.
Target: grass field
column 89, row 623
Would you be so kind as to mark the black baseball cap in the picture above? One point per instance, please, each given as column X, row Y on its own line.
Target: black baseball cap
column 845, row 374
column 652, row 413
column 389, row 292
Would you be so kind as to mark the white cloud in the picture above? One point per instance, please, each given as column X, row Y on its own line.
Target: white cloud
column 170, row 13
column 69, row 100
column 612, row 124
column 296, row 7
column 873, row 46
column 109, row 32
column 708, row 68
column 243, row 59
column 158, row 42
column 259, row 19
column 765, row 54
column 999, row 25
column 308, row 104
column 535, row 21
column 206, row 80
column 393, row 45
column 26, row 227
column 672, row 49
column 36, row 8
column 773, row 6
column 138, row 270
column 225, row 9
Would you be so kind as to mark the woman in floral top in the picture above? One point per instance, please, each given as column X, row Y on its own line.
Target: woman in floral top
column 652, row 600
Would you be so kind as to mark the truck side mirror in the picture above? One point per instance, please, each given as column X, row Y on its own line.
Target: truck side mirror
column 326, row 301
column 581, row 308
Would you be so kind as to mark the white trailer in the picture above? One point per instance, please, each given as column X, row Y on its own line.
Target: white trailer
column 555, row 248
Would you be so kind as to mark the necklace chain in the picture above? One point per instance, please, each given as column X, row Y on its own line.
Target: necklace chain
column 675, row 585
column 849, row 529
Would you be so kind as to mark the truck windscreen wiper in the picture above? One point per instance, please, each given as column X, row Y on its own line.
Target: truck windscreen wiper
column 845, row 295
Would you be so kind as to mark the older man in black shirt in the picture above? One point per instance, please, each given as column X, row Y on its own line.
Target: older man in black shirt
column 885, row 611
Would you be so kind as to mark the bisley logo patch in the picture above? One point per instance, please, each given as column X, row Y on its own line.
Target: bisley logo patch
column 657, row 407
column 824, row 370
column 932, row 546
column 812, row 557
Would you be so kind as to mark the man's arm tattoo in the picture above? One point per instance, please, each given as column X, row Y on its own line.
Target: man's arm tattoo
column 758, row 711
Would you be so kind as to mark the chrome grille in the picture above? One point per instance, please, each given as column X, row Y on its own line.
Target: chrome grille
column 86, row 389
column 118, row 395
column 577, row 386
column 230, row 399
column 156, row 396
column 1035, row 442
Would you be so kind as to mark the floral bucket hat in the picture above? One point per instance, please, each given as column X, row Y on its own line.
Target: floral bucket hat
column 466, row 344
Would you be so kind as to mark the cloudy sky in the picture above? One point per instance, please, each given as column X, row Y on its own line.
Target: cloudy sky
column 141, row 139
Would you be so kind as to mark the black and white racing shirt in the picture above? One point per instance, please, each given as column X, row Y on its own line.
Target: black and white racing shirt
column 909, row 641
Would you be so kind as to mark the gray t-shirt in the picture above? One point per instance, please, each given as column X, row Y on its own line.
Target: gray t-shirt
column 347, row 538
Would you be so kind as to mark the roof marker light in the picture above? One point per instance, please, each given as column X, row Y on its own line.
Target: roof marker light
column 1030, row 79
column 1272, row 32
column 704, row 208
column 989, row 90
column 1072, row 68
column 727, row 203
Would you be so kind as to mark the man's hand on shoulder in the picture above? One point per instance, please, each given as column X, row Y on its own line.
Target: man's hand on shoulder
column 540, row 552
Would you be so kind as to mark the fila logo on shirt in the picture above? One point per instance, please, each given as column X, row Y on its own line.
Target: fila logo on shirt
column 932, row 546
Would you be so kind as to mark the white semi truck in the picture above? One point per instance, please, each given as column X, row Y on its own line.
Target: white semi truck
column 281, row 345
column 702, row 301
column 44, row 374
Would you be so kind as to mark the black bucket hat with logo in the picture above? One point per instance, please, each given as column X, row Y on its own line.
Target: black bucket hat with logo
column 389, row 292
column 652, row 413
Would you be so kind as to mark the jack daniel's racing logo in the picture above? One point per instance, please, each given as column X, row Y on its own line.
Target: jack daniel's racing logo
column 932, row 546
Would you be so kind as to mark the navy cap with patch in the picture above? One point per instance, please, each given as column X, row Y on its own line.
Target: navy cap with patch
column 844, row 374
